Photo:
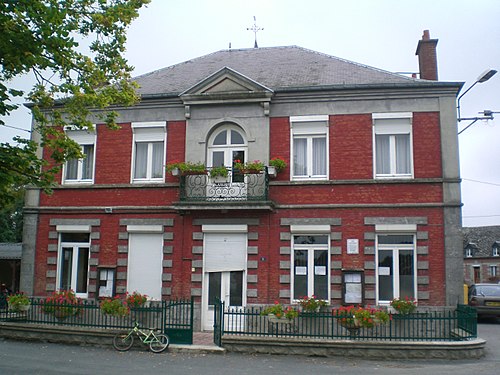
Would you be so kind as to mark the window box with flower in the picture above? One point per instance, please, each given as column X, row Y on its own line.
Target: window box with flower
column 62, row 304
column 253, row 167
column 276, row 165
column 18, row 302
column 354, row 318
column 114, row 307
column 177, row 168
column 404, row 306
column 277, row 313
column 219, row 174
column 311, row 304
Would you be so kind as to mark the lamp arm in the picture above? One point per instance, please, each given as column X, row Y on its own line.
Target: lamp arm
column 460, row 97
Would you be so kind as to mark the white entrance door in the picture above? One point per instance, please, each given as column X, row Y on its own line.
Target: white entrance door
column 224, row 275
column 145, row 256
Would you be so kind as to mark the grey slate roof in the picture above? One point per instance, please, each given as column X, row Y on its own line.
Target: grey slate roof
column 278, row 68
column 483, row 238
column 10, row 250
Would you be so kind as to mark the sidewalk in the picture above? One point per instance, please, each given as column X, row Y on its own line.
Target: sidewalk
column 203, row 342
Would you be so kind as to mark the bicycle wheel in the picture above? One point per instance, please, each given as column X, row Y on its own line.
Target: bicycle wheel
column 123, row 341
column 159, row 343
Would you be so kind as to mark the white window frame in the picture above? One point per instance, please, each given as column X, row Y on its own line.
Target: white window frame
column 83, row 138
column 309, row 127
column 392, row 124
column 496, row 251
column 493, row 268
column 388, row 230
column 148, row 132
column 72, row 229
column 310, row 230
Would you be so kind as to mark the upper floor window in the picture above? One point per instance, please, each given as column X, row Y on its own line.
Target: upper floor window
column 393, row 153
column 149, row 151
column 309, row 147
column 81, row 170
column 469, row 251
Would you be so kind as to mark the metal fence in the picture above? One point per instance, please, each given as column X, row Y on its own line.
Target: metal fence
column 175, row 317
column 446, row 325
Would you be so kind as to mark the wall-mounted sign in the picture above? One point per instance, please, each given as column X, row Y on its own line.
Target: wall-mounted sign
column 353, row 246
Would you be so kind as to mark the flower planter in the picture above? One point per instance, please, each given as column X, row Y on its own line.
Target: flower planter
column 271, row 171
column 274, row 319
column 19, row 308
column 176, row 172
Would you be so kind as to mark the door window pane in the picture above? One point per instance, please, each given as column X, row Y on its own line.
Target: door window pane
column 300, row 274
column 214, row 285
column 321, row 274
column 236, row 288
column 385, row 276
column 82, row 270
column 66, row 268
column 217, row 158
column 406, row 275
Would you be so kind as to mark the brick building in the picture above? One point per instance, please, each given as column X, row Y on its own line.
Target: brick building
column 367, row 209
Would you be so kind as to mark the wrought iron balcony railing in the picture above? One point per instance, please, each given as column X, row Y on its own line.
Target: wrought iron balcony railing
column 236, row 186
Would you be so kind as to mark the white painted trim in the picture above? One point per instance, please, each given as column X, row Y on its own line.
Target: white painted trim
column 309, row 118
column 310, row 229
column 392, row 115
column 145, row 228
column 73, row 228
column 395, row 227
column 215, row 228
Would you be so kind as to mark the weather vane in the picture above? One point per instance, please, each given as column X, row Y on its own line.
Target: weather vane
column 255, row 29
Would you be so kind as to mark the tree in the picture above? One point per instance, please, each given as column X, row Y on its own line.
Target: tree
column 11, row 219
column 74, row 50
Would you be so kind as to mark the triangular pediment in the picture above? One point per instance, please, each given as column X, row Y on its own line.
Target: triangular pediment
column 226, row 85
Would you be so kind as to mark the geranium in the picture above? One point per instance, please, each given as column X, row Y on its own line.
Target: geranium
column 136, row 299
column 278, row 163
column 358, row 316
column 62, row 303
column 250, row 167
column 17, row 300
column 311, row 304
column 404, row 306
column 114, row 307
column 280, row 311
column 186, row 167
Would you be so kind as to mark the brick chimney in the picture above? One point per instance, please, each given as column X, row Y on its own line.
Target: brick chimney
column 427, row 57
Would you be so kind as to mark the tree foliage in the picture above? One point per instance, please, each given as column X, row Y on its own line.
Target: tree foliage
column 74, row 49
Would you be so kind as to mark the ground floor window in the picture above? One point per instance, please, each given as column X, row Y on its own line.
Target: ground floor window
column 73, row 262
column 396, row 261
column 311, row 264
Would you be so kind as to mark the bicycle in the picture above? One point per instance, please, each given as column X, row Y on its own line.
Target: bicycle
column 158, row 342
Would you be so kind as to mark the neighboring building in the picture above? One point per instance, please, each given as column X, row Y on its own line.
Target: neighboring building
column 481, row 254
column 10, row 264
column 367, row 209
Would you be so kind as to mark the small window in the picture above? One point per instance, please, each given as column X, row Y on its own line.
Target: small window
column 493, row 270
column 309, row 147
column 496, row 250
column 149, row 152
column 78, row 171
column 106, row 282
column 392, row 146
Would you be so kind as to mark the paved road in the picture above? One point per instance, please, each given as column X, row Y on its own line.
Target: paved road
column 45, row 358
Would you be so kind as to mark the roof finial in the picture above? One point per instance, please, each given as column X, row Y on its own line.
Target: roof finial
column 255, row 29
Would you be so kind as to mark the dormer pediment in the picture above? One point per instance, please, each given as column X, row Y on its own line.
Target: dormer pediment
column 226, row 86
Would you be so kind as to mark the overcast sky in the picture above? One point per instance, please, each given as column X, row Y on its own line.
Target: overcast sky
column 382, row 34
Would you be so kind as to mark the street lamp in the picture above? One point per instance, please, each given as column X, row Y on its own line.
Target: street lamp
column 487, row 114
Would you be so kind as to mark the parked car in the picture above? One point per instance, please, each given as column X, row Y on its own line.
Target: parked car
column 485, row 298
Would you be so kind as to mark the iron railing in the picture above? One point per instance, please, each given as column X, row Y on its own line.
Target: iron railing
column 236, row 186
column 447, row 325
column 175, row 317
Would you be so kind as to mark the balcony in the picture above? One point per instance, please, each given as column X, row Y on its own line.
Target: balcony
column 236, row 190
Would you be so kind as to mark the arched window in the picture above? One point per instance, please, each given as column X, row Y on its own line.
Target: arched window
column 227, row 145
